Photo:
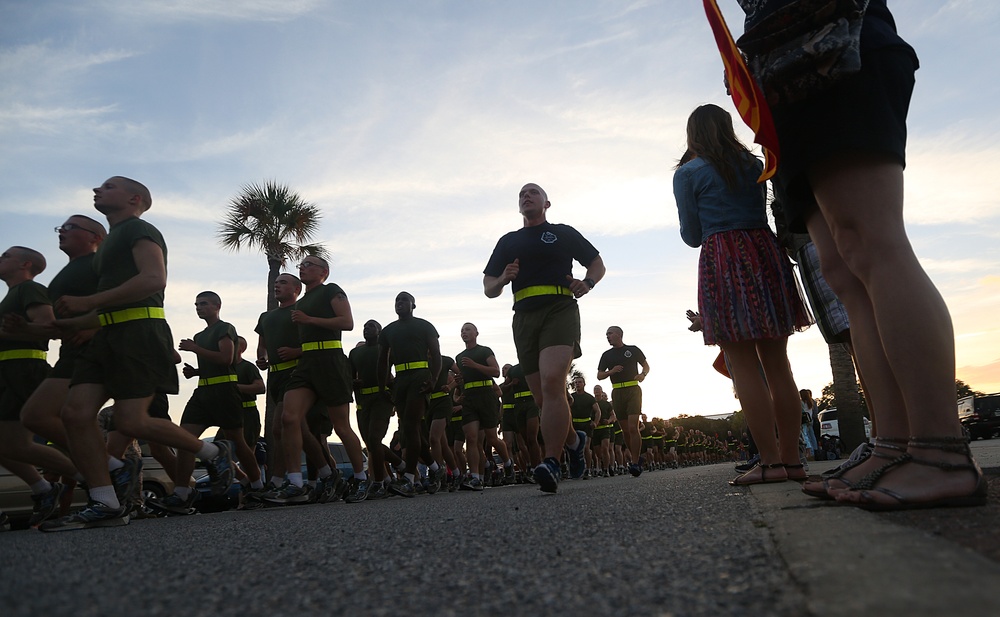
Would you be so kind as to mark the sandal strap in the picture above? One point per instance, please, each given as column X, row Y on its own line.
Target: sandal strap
column 891, row 443
column 957, row 445
column 868, row 482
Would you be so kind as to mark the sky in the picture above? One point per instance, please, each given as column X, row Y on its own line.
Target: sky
column 413, row 125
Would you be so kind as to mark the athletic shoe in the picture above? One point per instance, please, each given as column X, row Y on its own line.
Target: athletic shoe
column 403, row 487
column 357, row 490
column 220, row 468
column 290, row 494
column 126, row 479
column 586, row 474
column 174, row 504
column 46, row 504
column 455, row 483
column 577, row 462
column 330, row 488
column 439, row 479
column 547, row 475
column 377, row 490
column 96, row 514
column 635, row 470
column 252, row 498
column 747, row 466
column 508, row 474
column 472, row 484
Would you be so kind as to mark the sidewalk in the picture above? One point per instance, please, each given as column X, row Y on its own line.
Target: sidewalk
column 849, row 561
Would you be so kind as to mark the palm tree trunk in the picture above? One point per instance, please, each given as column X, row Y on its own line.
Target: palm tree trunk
column 273, row 270
column 846, row 396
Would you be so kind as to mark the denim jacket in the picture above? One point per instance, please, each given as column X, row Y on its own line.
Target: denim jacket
column 706, row 206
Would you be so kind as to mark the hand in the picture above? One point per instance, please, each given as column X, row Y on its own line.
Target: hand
column 189, row 371
column 695, row 320
column 468, row 362
column 579, row 288
column 13, row 324
column 287, row 353
column 426, row 388
column 640, row 377
column 301, row 318
column 81, row 338
column 73, row 305
column 187, row 344
column 263, row 364
column 617, row 369
column 510, row 272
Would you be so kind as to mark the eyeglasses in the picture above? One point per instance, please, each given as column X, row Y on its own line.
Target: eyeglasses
column 309, row 264
column 67, row 227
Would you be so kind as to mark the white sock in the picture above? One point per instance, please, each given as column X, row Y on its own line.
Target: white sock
column 410, row 477
column 208, row 451
column 296, row 479
column 476, row 476
column 325, row 472
column 277, row 480
column 114, row 464
column 40, row 487
column 105, row 495
column 434, row 466
column 183, row 491
column 257, row 484
column 361, row 475
column 509, row 463
column 576, row 442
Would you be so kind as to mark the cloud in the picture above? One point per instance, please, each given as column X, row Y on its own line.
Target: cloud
column 951, row 177
column 188, row 10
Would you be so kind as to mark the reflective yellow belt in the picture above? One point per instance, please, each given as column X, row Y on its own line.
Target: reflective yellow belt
column 522, row 394
column 624, row 384
column 435, row 395
column 132, row 314
column 22, row 354
column 211, row 381
column 541, row 290
column 581, row 420
column 456, row 418
column 479, row 384
column 605, row 426
column 619, row 431
column 249, row 404
column 282, row 366
column 315, row 345
column 508, row 406
column 371, row 390
column 409, row 366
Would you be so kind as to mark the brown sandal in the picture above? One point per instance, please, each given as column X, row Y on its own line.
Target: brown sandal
column 887, row 443
column 800, row 476
column 959, row 445
column 742, row 480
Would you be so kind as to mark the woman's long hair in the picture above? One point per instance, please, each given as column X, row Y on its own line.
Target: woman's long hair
column 710, row 136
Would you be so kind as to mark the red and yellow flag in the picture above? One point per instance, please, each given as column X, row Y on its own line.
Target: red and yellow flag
column 749, row 100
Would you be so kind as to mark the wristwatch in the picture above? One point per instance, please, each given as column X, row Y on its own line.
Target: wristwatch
column 590, row 282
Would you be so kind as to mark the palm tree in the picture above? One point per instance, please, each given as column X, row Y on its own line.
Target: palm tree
column 847, row 396
column 276, row 220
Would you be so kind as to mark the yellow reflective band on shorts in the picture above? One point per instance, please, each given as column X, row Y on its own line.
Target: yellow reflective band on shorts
column 249, row 404
column 132, row 314
column 508, row 406
column 624, row 384
column 409, row 366
column 456, row 418
column 435, row 395
column 211, row 381
column 371, row 390
column 581, row 420
column 282, row 366
column 605, row 426
column 22, row 354
column 542, row 290
column 478, row 384
column 317, row 345
column 522, row 394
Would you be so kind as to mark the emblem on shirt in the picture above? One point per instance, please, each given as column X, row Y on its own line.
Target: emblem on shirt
column 548, row 237
column 628, row 354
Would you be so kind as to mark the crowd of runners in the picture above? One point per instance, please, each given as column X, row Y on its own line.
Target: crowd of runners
column 464, row 422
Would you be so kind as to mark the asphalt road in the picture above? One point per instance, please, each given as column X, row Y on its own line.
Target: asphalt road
column 672, row 542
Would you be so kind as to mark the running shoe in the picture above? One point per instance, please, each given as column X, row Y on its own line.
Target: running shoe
column 747, row 466
column 377, row 490
column 174, row 504
column 252, row 498
column 221, row 468
column 437, row 480
column 290, row 494
column 635, row 470
column 547, row 475
column 329, row 488
column 577, row 462
column 96, row 514
column 472, row 484
column 357, row 490
column 508, row 474
column 46, row 504
column 403, row 487
column 454, row 483
column 127, row 479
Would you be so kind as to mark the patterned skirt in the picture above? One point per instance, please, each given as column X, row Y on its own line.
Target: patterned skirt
column 746, row 289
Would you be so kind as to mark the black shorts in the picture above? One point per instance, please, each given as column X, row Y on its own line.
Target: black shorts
column 325, row 372
column 216, row 405
column 68, row 355
column 627, row 401
column 552, row 325
column 439, row 407
column 318, row 420
column 483, row 408
column 455, row 431
column 134, row 359
column 18, row 379
column 865, row 113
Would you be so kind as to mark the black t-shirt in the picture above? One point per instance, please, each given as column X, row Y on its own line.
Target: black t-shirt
column 545, row 254
column 629, row 356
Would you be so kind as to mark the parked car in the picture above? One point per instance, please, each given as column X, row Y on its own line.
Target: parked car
column 980, row 415
column 829, row 425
